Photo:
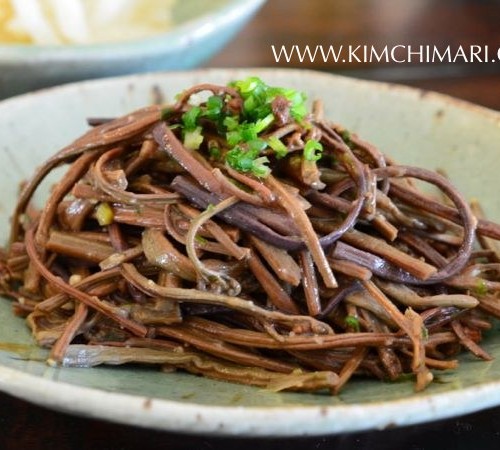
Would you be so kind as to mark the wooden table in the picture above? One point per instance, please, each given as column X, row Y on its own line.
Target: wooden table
column 380, row 23
column 319, row 22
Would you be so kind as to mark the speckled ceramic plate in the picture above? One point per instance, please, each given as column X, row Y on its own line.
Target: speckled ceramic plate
column 413, row 126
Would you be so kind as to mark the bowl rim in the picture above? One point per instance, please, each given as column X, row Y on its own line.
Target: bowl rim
column 300, row 420
column 182, row 35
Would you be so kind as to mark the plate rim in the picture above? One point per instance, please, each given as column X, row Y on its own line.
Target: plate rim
column 198, row 419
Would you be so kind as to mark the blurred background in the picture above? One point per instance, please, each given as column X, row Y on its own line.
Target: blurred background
column 57, row 41
column 379, row 23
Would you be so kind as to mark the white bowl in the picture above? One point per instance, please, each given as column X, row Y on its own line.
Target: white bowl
column 200, row 28
column 428, row 130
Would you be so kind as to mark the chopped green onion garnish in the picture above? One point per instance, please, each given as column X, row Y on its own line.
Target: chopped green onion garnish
column 247, row 85
column 259, row 168
column 244, row 146
column 247, row 160
column 240, row 159
column 248, row 132
column 190, row 118
column 233, row 138
column 352, row 322
column 256, row 146
column 310, row 149
column 193, row 138
column 214, row 152
column 258, row 96
column 214, row 107
column 262, row 124
column 231, row 123
column 277, row 145
column 298, row 111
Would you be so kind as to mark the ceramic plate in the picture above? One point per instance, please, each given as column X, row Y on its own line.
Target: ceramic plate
column 412, row 126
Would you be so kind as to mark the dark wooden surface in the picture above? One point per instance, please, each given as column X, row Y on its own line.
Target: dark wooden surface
column 318, row 22
column 379, row 23
column 28, row 427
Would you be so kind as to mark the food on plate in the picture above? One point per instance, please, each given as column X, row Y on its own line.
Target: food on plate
column 237, row 235
column 56, row 22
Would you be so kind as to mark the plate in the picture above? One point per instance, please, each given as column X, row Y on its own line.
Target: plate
column 414, row 127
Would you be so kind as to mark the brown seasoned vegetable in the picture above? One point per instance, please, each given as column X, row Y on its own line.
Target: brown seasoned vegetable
column 245, row 239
